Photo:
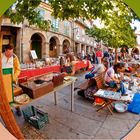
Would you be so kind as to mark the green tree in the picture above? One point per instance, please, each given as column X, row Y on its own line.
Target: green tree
column 87, row 9
column 117, row 30
column 28, row 10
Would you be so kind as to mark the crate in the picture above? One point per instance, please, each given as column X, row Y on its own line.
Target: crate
column 35, row 117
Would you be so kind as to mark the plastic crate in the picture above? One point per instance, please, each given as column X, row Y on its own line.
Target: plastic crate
column 35, row 117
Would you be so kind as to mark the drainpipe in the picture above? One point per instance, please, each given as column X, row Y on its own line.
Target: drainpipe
column 21, row 51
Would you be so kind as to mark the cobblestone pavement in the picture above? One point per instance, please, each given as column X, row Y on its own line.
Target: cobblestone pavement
column 83, row 123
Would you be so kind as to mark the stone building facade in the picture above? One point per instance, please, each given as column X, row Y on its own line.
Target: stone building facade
column 62, row 35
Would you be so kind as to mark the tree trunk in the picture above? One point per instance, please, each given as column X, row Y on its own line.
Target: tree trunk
column 116, row 56
column 5, row 109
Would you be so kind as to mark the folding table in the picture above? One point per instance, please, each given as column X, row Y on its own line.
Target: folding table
column 110, row 97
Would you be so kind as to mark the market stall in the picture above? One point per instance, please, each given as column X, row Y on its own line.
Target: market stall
column 38, row 71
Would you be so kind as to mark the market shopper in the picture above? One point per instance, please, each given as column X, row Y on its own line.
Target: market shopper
column 113, row 77
column 99, row 68
column 99, row 55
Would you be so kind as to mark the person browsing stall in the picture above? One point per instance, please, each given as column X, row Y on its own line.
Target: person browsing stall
column 113, row 77
column 99, row 68
column 110, row 77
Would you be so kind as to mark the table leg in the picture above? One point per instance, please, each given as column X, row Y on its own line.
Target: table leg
column 55, row 98
column 109, row 108
column 72, row 96
column 105, row 105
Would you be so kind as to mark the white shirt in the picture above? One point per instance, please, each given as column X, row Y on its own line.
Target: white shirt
column 100, row 68
column 83, row 53
column 110, row 73
column 7, row 62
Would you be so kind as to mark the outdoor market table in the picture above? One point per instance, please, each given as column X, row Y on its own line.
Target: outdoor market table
column 136, row 82
column 29, row 73
column 111, row 96
column 39, row 71
column 68, row 80
column 81, row 64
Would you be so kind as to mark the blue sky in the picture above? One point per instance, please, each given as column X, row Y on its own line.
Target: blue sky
column 137, row 24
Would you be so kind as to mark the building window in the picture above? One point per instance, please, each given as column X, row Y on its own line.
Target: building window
column 83, row 32
column 46, row 1
column 42, row 12
column 55, row 25
column 66, row 28
column 77, row 33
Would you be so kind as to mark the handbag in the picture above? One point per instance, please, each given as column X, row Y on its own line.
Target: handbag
column 88, row 93
column 68, row 69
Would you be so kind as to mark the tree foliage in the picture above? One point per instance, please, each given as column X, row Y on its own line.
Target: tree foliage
column 27, row 10
column 89, row 9
column 117, row 30
column 114, row 37
column 115, row 15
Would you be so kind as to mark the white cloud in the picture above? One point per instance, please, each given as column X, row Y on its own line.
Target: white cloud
column 98, row 23
column 136, row 24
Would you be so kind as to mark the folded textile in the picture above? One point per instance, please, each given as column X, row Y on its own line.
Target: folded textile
column 134, row 106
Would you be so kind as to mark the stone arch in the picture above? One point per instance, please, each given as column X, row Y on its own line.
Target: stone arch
column 36, row 43
column 54, row 46
column 124, row 49
column 135, row 50
column 66, row 46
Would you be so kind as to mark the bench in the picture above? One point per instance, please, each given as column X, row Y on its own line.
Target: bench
column 99, row 79
column 100, row 83
column 86, row 84
column 95, row 81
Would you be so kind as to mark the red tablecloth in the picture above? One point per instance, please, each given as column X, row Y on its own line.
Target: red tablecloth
column 81, row 64
column 39, row 71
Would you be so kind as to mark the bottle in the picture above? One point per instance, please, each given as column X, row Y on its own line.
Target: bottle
column 18, row 111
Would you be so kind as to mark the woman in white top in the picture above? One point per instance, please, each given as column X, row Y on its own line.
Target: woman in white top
column 110, row 78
